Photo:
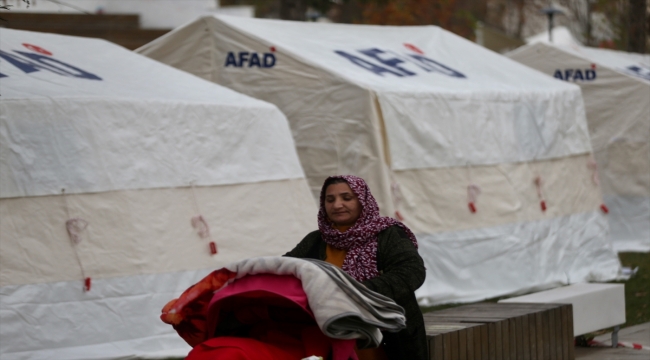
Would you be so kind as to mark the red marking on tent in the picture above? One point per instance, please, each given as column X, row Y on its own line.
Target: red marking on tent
column 399, row 216
column 472, row 207
column 272, row 48
column 593, row 66
column 413, row 48
column 38, row 49
column 543, row 205
column 213, row 248
column 87, row 284
column 604, row 208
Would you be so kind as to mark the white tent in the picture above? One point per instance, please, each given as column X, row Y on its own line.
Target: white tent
column 125, row 136
column 616, row 90
column 428, row 119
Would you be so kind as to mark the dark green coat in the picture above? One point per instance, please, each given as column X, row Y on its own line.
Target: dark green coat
column 401, row 272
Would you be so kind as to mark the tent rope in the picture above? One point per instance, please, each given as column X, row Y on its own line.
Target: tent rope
column 75, row 226
column 397, row 199
column 538, row 186
column 593, row 166
column 201, row 226
column 473, row 191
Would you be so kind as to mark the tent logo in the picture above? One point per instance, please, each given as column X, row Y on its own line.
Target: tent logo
column 37, row 49
column 251, row 59
column 576, row 74
column 380, row 62
column 413, row 48
column 639, row 71
column 42, row 59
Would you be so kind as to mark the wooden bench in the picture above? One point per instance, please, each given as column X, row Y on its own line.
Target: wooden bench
column 493, row 331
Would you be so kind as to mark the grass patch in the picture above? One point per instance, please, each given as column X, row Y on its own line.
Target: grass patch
column 637, row 290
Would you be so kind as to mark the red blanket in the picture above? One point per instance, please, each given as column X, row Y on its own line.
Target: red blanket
column 188, row 313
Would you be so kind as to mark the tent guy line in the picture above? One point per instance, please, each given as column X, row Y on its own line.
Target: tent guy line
column 75, row 226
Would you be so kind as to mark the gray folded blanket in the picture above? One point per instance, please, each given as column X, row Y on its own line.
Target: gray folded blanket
column 343, row 307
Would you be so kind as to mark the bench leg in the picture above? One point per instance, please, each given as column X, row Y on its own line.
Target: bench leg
column 615, row 336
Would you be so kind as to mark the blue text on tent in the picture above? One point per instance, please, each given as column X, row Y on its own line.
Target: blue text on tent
column 250, row 59
column 642, row 72
column 575, row 74
column 31, row 62
column 388, row 62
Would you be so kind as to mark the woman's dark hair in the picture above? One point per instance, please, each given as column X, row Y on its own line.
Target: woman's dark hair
column 332, row 181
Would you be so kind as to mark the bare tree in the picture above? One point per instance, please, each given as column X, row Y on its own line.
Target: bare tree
column 622, row 24
column 637, row 26
column 293, row 10
column 5, row 6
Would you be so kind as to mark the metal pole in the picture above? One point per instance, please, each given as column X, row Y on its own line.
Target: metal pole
column 550, row 27
column 550, row 12
column 615, row 336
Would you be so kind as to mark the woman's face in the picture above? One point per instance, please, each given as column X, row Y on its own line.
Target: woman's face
column 341, row 204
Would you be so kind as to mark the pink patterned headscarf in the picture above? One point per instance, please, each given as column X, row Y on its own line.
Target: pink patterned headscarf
column 361, row 239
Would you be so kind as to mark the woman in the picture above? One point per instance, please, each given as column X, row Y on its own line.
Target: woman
column 377, row 251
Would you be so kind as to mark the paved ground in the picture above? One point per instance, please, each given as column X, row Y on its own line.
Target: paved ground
column 639, row 334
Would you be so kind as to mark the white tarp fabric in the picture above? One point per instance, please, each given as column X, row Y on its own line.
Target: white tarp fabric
column 422, row 114
column 43, row 102
column 455, row 75
column 470, row 263
column 141, row 150
column 616, row 89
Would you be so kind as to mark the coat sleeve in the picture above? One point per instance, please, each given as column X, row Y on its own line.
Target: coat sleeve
column 401, row 267
column 307, row 248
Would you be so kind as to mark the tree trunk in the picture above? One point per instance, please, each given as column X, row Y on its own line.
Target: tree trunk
column 292, row 10
column 637, row 26
column 522, row 18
